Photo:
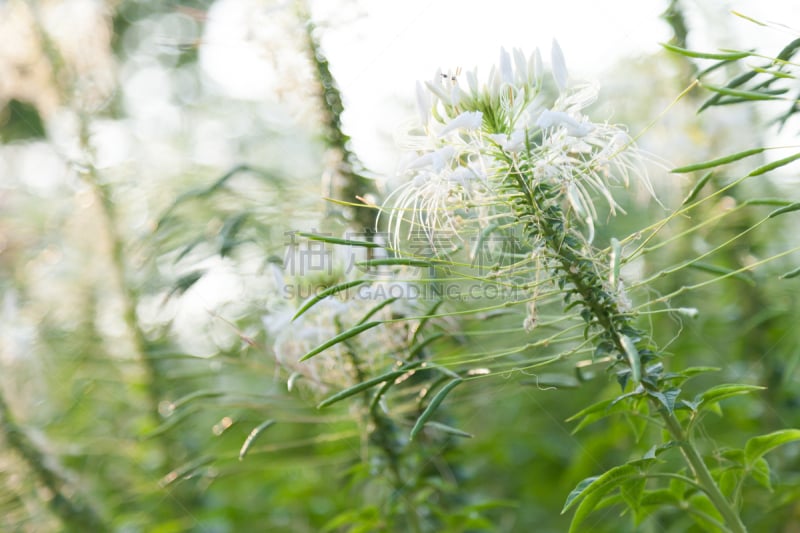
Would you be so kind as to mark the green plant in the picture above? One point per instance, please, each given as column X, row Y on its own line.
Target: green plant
column 494, row 161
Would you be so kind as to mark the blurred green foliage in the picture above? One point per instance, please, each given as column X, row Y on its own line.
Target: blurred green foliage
column 134, row 415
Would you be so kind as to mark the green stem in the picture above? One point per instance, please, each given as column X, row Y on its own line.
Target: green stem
column 549, row 222
column 348, row 182
column 702, row 473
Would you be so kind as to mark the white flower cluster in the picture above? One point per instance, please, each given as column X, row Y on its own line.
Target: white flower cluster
column 469, row 133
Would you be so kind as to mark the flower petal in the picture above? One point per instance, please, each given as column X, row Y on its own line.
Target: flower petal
column 469, row 120
column 559, row 66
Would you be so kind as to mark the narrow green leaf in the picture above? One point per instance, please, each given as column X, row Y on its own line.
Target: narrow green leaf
column 324, row 294
column 251, row 438
column 230, row 230
column 745, row 95
column 758, row 446
column 721, row 392
column 196, row 395
column 634, row 360
column 791, row 274
column 775, row 164
column 334, row 240
column 415, row 350
column 787, row 209
column 371, row 312
column 426, row 317
column 396, row 261
column 352, row 332
column 364, row 385
column 697, row 187
column 735, row 82
column 186, row 470
column 767, row 201
column 449, row 429
column 730, row 56
column 429, row 410
column 717, row 162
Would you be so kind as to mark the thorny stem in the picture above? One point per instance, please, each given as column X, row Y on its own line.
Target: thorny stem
column 75, row 515
column 347, row 181
column 538, row 207
column 382, row 435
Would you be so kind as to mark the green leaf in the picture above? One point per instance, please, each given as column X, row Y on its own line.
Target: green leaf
column 787, row 209
column 634, row 360
column 659, row 497
column 448, row 429
column 775, row 164
column 596, row 412
column 721, row 392
column 429, row 410
column 371, row 312
column 352, row 332
column 186, row 470
column 729, row 56
column 196, row 395
column 697, row 187
column 759, row 471
column 758, row 446
column 717, row 162
column 309, row 303
column 593, row 493
column 359, row 387
column 396, row 261
column 251, row 438
column 230, row 229
column 791, row 274
column 666, row 398
column 703, row 512
column 767, row 201
column 334, row 240
column 578, row 492
column 744, row 95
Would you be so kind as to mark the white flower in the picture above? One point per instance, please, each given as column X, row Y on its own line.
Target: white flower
column 472, row 137
column 469, row 120
column 549, row 119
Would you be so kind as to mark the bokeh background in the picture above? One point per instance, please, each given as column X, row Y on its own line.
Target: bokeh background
column 155, row 158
